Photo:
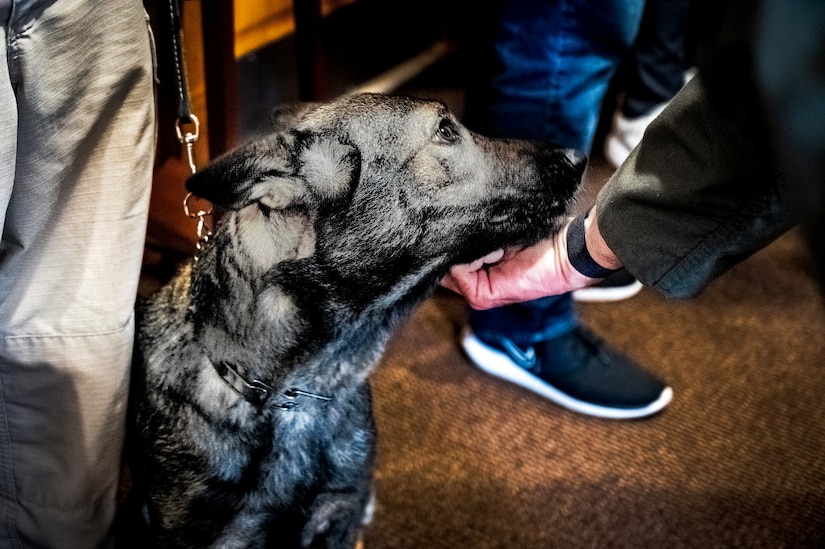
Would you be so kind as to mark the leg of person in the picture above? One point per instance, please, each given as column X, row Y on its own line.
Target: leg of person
column 541, row 346
column 656, row 72
column 8, row 123
column 658, row 60
column 80, row 82
column 556, row 60
column 552, row 63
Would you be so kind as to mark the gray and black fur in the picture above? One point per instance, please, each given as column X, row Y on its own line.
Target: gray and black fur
column 337, row 225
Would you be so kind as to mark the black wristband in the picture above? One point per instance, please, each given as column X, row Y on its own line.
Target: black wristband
column 577, row 252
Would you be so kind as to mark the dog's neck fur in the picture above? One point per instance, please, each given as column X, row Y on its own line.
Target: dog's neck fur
column 286, row 340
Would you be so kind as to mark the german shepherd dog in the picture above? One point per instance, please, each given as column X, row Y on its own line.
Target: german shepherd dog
column 251, row 408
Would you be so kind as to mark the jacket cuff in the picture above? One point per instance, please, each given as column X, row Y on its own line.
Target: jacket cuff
column 577, row 253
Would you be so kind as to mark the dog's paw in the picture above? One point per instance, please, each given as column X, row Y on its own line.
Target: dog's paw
column 338, row 517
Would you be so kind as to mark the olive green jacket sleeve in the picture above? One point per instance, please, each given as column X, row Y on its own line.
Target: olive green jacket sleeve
column 698, row 195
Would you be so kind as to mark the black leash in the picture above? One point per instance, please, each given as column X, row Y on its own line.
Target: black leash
column 186, row 119
column 185, row 116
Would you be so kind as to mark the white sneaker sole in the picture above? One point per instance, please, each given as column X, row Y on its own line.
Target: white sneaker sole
column 594, row 294
column 498, row 364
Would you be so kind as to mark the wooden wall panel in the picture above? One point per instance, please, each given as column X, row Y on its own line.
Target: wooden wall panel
column 260, row 22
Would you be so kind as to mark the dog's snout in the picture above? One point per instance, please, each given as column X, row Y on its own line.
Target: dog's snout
column 577, row 159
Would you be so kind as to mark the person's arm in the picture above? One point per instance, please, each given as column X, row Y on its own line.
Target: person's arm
column 699, row 194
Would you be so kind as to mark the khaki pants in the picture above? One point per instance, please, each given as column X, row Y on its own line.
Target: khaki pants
column 77, row 137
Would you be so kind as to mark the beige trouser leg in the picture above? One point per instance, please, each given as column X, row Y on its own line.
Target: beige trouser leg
column 77, row 130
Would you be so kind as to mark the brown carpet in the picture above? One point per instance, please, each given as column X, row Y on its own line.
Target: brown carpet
column 737, row 460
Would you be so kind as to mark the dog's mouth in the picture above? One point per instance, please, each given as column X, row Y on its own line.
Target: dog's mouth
column 545, row 223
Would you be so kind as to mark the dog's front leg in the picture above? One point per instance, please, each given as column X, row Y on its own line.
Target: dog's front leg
column 344, row 506
column 338, row 518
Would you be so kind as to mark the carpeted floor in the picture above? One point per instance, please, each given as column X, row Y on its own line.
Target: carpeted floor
column 737, row 460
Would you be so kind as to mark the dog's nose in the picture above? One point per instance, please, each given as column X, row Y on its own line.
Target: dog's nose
column 577, row 159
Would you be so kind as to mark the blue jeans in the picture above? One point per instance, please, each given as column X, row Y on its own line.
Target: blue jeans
column 555, row 59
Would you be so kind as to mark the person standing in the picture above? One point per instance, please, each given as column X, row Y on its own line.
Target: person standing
column 552, row 62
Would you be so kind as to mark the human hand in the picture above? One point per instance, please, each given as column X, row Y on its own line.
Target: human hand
column 510, row 276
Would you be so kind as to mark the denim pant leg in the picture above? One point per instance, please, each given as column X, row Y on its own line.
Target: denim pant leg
column 77, row 140
column 526, row 323
column 557, row 58
column 656, row 66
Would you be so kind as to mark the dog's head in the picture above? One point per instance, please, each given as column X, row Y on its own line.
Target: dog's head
column 373, row 191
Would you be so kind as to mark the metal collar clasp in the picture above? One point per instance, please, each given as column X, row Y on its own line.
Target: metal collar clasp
column 257, row 393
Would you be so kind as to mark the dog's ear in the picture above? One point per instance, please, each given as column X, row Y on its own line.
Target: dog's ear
column 328, row 165
column 280, row 170
column 261, row 171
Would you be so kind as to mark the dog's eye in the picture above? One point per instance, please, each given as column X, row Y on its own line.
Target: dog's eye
column 447, row 132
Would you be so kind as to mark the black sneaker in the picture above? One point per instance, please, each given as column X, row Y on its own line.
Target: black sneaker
column 619, row 285
column 576, row 371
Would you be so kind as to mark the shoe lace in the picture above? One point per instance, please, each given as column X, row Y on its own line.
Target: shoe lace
column 593, row 344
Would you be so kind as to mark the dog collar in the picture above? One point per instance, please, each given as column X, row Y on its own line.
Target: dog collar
column 257, row 393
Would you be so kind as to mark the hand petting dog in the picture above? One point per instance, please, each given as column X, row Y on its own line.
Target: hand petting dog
column 510, row 276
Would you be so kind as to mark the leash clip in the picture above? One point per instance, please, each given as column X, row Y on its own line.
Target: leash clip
column 204, row 230
column 188, row 139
